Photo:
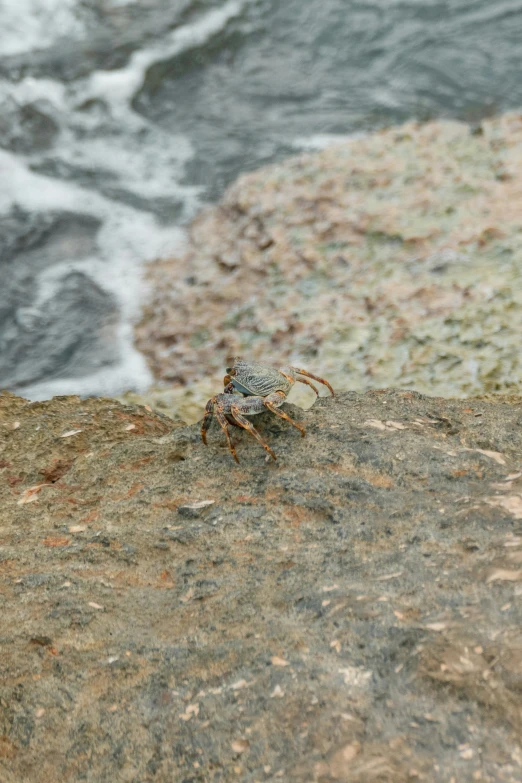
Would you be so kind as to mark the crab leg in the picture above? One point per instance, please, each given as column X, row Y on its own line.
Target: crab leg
column 273, row 401
column 207, row 421
column 247, row 405
column 308, row 383
column 315, row 377
column 220, row 416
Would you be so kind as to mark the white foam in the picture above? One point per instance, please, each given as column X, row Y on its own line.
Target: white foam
column 126, row 151
column 30, row 89
column 320, row 141
column 36, row 193
column 154, row 171
column 37, row 24
column 131, row 373
column 127, row 238
column 119, row 86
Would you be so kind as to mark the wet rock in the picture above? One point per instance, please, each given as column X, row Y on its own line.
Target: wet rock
column 58, row 338
column 393, row 259
column 46, row 238
column 29, row 128
column 348, row 613
column 47, row 311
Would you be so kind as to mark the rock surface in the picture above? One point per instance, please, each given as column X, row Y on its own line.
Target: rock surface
column 351, row 612
column 391, row 260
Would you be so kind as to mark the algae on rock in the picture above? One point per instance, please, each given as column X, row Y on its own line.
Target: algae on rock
column 395, row 259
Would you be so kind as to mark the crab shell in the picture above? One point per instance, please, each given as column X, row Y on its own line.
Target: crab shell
column 255, row 379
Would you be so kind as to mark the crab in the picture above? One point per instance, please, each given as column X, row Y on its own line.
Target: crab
column 251, row 388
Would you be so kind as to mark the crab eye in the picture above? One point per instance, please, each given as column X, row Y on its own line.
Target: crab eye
column 231, row 360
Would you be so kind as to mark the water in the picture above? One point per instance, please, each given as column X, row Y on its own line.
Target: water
column 119, row 120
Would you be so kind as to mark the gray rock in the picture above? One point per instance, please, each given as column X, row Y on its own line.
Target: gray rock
column 353, row 615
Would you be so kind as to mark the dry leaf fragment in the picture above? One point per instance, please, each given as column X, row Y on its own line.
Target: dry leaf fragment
column 504, row 575
column 347, row 753
column 496, row 455
column 389, row 576
column 70, row 433
column 27, row 498
column 29, row 495
column 355, row 675
column 53, row 541
column 385, row 425
column 236, row 686
column 188, row 595
column 512, row 504
column 240, row 745
column 396, row 425
column 276, row 661
column 192, row 709
column 199, row 504
column 379, row 425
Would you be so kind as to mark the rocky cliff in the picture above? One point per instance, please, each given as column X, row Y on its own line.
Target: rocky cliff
column 351, row 612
